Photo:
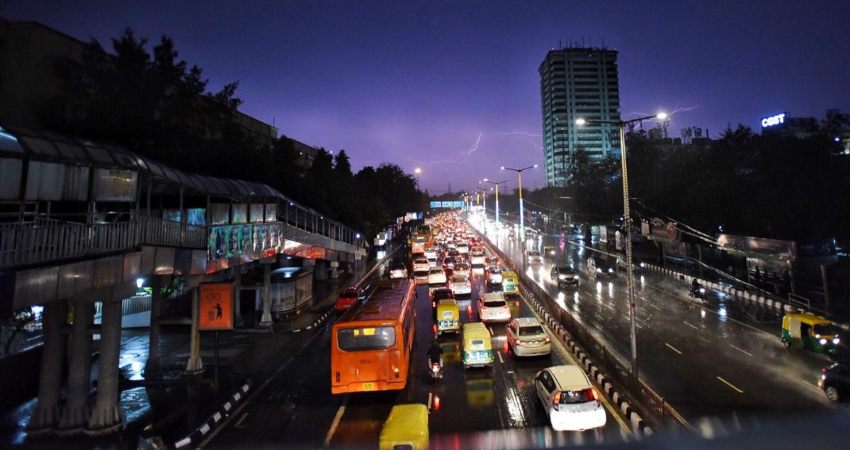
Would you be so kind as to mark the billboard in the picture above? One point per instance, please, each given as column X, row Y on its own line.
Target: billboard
column 215, row 306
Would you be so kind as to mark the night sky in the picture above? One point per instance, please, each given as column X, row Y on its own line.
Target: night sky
column 453, row 88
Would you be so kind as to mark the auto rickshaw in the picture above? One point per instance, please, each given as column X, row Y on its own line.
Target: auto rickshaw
column 406, row 427
column 448, row 317
column 477, row 347
column 510, row 283
column 809, row 331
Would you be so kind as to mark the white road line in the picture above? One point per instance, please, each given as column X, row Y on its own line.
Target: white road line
column 430, row 398
column 608, row 306
column 704, row 339
column 730, row 385
column 501, row 361
column 241, row 419
column 741, row 350
column 335, row 422
column 690, row 325
column 654, row 306
column 673, row 348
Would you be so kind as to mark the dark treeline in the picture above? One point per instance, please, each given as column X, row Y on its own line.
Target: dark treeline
column 156, row 104
column 759, row 185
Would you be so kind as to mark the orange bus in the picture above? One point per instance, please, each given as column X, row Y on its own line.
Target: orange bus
column 372, row 342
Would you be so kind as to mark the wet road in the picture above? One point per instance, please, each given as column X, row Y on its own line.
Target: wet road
column 473, row 408
column 708, row 359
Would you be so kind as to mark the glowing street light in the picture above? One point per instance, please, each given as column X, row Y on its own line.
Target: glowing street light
column 519, row 184
column 627, row 223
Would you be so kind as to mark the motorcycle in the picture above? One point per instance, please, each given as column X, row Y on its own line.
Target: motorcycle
column 436, row 370
column 697, row 293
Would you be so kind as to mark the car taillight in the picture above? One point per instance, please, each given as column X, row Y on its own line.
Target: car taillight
column 595, row 394
column 519, row 341
column 556, row 400
column 547, row 339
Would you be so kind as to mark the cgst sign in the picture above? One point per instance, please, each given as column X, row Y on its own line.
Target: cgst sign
column 772, row 121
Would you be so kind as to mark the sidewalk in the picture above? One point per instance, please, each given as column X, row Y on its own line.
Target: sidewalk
column 167, row 402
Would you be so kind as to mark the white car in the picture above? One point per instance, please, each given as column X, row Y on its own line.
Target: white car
column 527, row 337
column 431, row 253
column 398, row 271
column 569, row 399
column 492, row 307
column 533, row 257
column 436, row 276
column 494, row 275
column 477, row 258
column 460, row 285
column 421, row 264
column 463, row 248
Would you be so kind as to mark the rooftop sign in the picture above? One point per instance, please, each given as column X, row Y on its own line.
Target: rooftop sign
column 772, row 121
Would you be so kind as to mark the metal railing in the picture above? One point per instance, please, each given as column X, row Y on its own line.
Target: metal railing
column 51, row 240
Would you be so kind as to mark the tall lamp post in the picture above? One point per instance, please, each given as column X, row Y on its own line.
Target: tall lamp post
column 417, row 171
column 627, row 222
column 496, row 183
column 519, row 184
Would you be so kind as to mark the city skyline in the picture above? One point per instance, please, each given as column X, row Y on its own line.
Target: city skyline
column 454, row 88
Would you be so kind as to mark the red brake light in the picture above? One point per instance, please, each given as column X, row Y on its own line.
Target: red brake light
column 595, row 394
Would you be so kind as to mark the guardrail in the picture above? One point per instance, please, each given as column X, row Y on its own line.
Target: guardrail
column 616, row 369
column 51, row 240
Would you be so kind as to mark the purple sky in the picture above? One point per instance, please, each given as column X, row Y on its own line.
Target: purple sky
column 453, row 87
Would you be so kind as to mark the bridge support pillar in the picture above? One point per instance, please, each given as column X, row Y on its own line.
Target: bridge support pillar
column 237, row 296
column 195, row 363
column 266, row 319
column 153, row 363
column 106, row 417
column 76, row 410
column 46, row 414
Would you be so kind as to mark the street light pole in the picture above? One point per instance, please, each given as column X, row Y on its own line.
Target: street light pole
column 521, row 210
column 627, row 223
column 496, row 183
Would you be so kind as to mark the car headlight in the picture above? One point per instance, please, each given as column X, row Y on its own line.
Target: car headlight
column 835, row 341
column 702, row 290
column 598, row 270
column 610, row 270
column 563, row 277
column 822, row 341
column 642, row 265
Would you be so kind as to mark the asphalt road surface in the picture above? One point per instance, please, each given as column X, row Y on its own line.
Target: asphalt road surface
column 709, row 359
column 470, row 408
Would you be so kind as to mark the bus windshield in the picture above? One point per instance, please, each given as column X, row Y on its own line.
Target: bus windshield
column 366, row 338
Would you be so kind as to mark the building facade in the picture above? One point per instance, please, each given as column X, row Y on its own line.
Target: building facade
column 578, row 83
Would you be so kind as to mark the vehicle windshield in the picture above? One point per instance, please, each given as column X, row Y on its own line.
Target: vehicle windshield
column 460, row 279
column 827, row 329
column 365, row 338
column 530, row 330
column 565, row 270
column 495, row 303
column 581, row 396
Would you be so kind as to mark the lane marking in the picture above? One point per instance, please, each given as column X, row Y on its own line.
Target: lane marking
column 430, row 398
column 673, row 348
column 608, row 306
column 501, row 361
column 241, row 419
column 614, row 412
column 690, row 325
column 653, row 305
column 704, row 339
column 730, row 385
column 742, row 350
column 335, row 422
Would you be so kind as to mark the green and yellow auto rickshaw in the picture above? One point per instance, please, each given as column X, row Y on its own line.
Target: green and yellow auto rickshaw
column 809, row 331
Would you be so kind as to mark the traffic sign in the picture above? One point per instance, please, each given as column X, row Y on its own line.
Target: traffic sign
column 216, row 306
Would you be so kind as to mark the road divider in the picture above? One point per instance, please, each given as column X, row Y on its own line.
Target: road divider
column 628, row 394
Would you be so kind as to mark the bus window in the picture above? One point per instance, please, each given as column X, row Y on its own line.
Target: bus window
column 367, row 338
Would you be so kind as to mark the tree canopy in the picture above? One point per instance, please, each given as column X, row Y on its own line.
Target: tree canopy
column 153, row 102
